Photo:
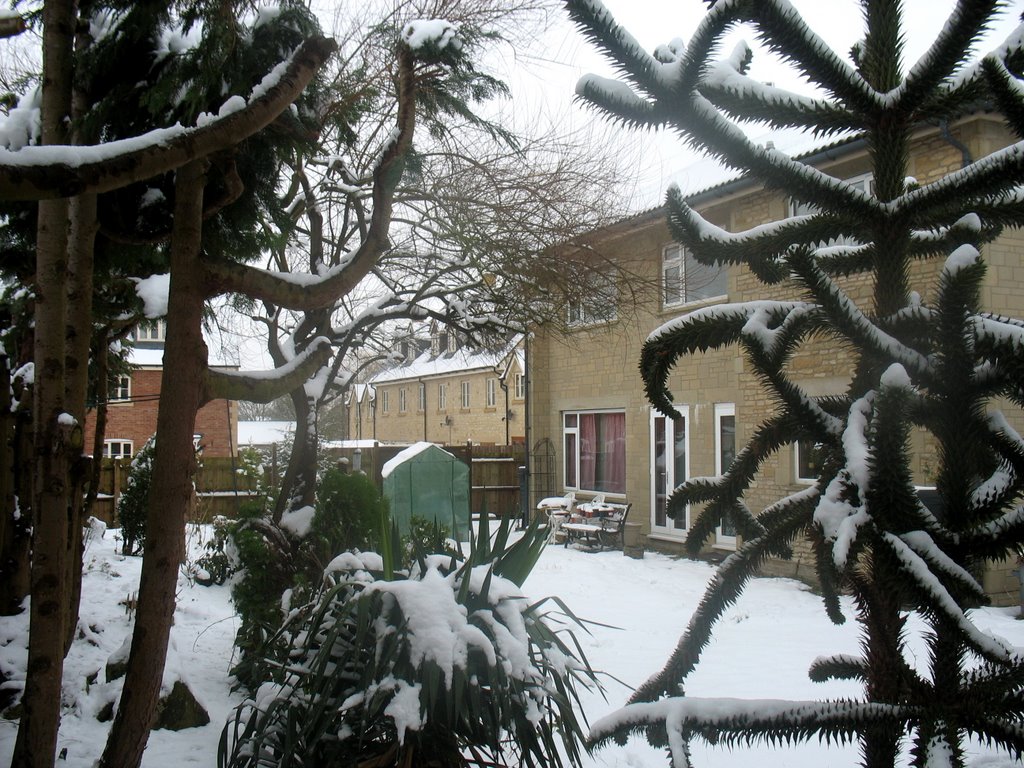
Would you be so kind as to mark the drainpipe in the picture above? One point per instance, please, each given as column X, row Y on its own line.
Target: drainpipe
column 528, row 426
column 504, row 388
column 965, row 153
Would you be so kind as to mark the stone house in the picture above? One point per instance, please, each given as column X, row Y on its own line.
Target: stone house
column 589, row 412
column 134, row 402
column 444, row 392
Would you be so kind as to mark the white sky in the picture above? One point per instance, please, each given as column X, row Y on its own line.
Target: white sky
column 545, row 83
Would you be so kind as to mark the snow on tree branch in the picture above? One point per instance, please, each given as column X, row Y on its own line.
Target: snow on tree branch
column 35, row 173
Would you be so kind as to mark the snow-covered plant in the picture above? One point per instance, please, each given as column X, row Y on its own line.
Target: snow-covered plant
column 444, row 664
column 937, row 365
column 133, row 504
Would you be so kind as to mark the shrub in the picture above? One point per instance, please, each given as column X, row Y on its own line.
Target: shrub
column 445, row 664
column 133, row 505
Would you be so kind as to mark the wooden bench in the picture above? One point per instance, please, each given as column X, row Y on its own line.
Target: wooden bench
column 603, row 532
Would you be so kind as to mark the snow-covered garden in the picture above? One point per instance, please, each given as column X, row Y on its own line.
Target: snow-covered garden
column 763, row 648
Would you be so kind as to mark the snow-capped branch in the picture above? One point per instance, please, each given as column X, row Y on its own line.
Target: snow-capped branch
column 40, row 172
column 263, row 387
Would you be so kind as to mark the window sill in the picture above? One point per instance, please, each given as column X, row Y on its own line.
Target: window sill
column 695, row 304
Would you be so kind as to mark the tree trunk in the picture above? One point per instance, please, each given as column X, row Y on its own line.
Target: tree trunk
column 14, row 528
column 298, row 487
column 82, row 238
column 37, row 732
column 173, row 469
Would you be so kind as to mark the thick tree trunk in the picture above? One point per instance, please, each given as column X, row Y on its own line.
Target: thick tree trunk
column 14, row 529
column 82, row 238
column 37, row 732
column 182, row 388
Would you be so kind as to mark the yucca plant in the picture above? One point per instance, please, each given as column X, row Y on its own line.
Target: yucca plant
column 446, row 664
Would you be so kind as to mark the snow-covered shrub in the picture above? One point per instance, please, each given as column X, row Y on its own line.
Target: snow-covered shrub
column 282, row 564
column 446, row 664
column 133, row 505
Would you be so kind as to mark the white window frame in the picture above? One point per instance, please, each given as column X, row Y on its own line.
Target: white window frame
column 108, row 448
column 402, row 400
column 675, row 257
column 583, row 311
column 797, row 478
column 422, row 397
column 465, row 399
column 722, row 410
column 671, row 529
column 442, row 397
column 520, row 386
column 121, row 391
column 385, row 401
column 575, row 431
column 492, row 392
column 151, row 330
column 453, row 344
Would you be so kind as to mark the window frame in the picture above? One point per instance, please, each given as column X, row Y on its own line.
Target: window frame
column 579, row 313
column 681, row 294
column 723, row 539
column 123, row 384
column 403, row 400
column 422, row 397
column 572, row 471
column 520, row 387
column 464, row 395
column 442, row 396
column 108, row 452
column 797, row 457
column 491, row 399
column 385, row 401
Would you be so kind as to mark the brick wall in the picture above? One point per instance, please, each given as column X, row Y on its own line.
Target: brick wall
column 135, row 420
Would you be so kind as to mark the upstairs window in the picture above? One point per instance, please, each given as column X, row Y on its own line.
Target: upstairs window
column 492, row 392
column 442, row 397
column 120, row 390
column 385, row 401
column 423, row 398
column 520, row 391
column 402, row 404
column 684, row 279
column 596, row 302
column 151, row 330
column 465, row 394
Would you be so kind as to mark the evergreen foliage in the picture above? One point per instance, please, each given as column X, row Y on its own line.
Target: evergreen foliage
column 941, row 365
column 364, row 675
column 133, row 505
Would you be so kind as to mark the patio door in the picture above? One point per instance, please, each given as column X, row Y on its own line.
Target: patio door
column 725, row 452
column 670, row 457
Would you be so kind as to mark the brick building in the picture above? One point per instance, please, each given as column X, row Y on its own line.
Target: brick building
column 590, row 416
column 445, row 393
column 133, row 404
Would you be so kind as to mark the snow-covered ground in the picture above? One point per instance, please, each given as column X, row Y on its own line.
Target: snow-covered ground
column 762, row 649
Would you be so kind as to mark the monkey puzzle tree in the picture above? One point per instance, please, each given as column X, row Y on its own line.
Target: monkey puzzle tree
column 943, row 366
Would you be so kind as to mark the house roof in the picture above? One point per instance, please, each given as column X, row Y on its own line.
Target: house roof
column 463, row 360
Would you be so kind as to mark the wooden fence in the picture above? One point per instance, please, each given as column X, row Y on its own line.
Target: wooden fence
column 222, row 489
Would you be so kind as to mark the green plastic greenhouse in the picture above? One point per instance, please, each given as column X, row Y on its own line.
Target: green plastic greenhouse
column 430, row 483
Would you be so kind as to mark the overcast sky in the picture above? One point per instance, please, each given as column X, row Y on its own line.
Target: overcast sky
column 545, row 82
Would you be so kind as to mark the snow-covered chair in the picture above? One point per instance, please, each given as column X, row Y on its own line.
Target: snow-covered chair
column 595, row 505
column 557, row 509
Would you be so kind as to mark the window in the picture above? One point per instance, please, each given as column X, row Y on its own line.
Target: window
column 595, row 451
column 117, row 449
column 423, row 397
column 465, row 394
column 597, row 301
column 442, row 397
column 492, row 392
column 151, row 330
column 865, row 182
column 684, row 279
column 402, row 404
column 452, row 342
column 385, row 404
column 670, row 451
column 520, row 391
column 121, row 389
column 807, row 460
column 725, row 454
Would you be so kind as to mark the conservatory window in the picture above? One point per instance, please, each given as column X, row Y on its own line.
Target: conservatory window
column 595, row 450
column 684, row 279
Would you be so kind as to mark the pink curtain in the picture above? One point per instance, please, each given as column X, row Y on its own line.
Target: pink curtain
column 588, row 451
column 615, row 453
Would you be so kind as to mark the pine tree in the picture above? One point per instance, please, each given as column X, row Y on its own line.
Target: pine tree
column 939, row 366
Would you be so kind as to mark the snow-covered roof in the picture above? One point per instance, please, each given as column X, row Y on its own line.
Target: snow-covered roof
column 264, row 432
column 462, row 360
column 153, row 357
